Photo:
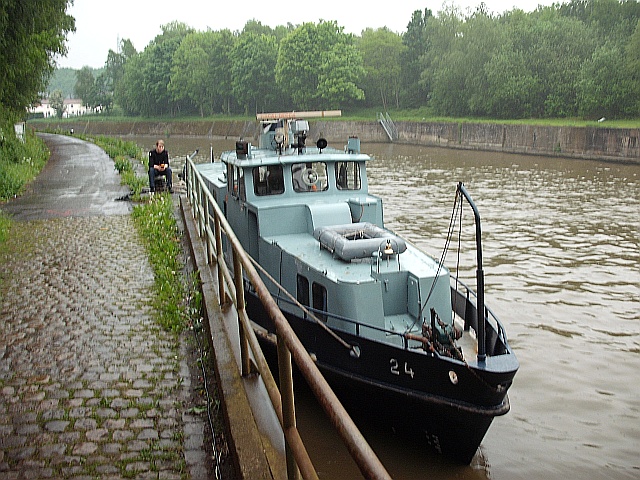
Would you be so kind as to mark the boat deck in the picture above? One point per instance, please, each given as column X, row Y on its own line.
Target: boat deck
column 306, row 248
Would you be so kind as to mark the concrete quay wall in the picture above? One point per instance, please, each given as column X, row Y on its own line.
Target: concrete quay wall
column 599, row 143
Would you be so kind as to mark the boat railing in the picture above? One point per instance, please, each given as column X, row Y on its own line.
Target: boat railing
column 464, row 303
column 357, row 326
column 468, row 296
column 211, row 225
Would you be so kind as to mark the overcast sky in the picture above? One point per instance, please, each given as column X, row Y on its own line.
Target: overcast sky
column 99, row 25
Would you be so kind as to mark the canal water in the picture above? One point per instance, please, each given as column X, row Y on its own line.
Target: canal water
column 562, row 272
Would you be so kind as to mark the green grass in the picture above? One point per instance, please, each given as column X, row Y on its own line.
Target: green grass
column 158, row 228
column 20, row 163
column 5, row 225
column 369, row 114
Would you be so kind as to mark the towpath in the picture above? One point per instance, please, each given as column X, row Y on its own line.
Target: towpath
column 90, row 387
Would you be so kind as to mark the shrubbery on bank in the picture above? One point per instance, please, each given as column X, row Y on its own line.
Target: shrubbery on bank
column 20, row 162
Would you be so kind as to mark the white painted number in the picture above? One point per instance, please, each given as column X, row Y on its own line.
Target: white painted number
column 394, row 366
column 396, row 370
column 408, row 370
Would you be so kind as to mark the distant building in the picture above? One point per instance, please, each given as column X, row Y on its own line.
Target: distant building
column 73, row 107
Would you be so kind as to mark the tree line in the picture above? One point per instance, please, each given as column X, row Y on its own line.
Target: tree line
column 580, row 58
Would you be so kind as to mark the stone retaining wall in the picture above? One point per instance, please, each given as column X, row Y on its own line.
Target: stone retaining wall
column 601, row 143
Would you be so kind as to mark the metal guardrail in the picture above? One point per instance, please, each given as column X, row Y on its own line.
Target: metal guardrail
column 388, row 125
column 211, row 225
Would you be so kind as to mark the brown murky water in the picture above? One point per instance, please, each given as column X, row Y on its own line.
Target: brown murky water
column 562, row 267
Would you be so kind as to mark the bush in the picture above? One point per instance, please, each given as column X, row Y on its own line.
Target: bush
column 19, row 162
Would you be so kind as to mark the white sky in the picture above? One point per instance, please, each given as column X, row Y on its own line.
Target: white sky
column 99, row 25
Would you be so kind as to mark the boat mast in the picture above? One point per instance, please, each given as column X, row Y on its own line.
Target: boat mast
column 482, row 355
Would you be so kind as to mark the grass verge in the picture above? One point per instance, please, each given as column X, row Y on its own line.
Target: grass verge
column 157, row 225
column 423, row 114
column 20, row 162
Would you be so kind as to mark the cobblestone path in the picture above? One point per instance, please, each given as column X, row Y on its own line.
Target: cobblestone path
column 90, row 387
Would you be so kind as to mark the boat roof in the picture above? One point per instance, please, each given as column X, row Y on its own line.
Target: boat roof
column 263, row 156
column 283, row 140
column 306, row 248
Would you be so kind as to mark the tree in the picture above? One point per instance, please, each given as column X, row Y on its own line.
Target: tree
column 145, row 88
column 220, row 66
column 102, row 93
column 56, row 100
column 632, row 69
column 604, row 89
column 443, row 77
column 62, row 79
column 32, row 33
column 460, row 84
column 414, row 87
column 381, row 52
column 191, row 75
column 130, row 94
column 114, row 68
column 554, row 49
column 253, row 62
column 319, row 66
column 85, row 85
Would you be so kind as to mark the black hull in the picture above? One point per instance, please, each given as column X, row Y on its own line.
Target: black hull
column 423, row 404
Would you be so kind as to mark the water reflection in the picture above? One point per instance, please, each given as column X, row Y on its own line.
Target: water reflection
column 562, row 272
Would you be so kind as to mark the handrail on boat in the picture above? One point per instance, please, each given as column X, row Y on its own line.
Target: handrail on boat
column 489, row 316
column 488, row 313
column 207, row 213
column 482, row 353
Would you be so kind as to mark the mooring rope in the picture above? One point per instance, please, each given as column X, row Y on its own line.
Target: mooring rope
column 443, row 256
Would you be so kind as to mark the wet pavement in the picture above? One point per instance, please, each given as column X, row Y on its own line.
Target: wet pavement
column 90, row 386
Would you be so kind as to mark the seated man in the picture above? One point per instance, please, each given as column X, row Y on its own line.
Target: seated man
column 159, row 166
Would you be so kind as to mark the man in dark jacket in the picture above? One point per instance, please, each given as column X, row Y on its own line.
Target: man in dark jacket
column 159, row 166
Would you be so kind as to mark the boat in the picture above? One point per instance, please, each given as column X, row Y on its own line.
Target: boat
column 401, row 340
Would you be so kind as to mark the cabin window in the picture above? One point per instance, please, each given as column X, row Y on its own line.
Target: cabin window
column 302, row 290
column 242, row 193
column 348, row 176
column 268, row 180
column 309, row 177
column 232, row 181
column 319, row 300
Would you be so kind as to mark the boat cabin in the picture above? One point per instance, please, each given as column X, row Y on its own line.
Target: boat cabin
column 305, row 215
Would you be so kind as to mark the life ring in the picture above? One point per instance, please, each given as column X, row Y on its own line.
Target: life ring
column 309, row 177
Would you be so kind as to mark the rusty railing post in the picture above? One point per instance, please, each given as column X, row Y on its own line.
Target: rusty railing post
column 240, row 307
column 219, row 258
column 207, row 240
column 285, row 371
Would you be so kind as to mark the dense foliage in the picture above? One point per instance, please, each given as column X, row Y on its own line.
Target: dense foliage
column 580, row 58
column 32, row 33
column 20, row 160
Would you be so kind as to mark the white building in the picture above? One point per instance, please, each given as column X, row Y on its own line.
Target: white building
column 72, row 108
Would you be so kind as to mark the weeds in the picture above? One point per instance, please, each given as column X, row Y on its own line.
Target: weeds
column 20, row 163
column 5, row 225
column 158, row 227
